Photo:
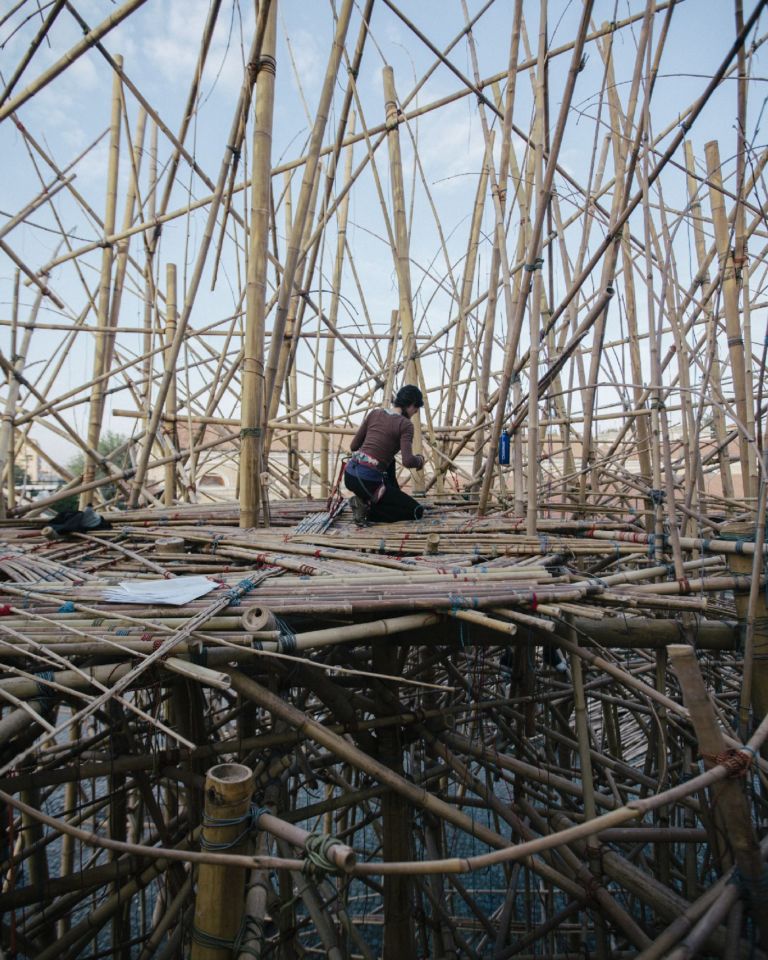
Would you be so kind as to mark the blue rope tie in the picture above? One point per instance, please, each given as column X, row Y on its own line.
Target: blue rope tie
column 287, row 640
column 215, row 543
column 67, row 607
column 217, row 822
column 43, row 689
column 754, row 891
column 244, row 587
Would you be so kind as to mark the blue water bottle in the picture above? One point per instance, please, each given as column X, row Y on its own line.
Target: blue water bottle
column 504, row 449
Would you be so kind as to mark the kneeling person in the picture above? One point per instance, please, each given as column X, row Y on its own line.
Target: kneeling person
column 370, row 472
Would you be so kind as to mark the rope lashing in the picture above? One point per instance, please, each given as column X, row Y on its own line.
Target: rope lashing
column 199, row 654
column 317, row 847
column 244, row 587
column 287, row 641
column 43, row 689
column 753, row 889
column 658, row 497
column 736, row 760
column 250, row 432
column 247, row 819
column 460, row 602
column 537, row 264
column 206, row 939
column 67, row 607
column 252, row 929
column 217, row 538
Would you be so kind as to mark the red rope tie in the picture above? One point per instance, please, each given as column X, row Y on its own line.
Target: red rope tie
column 146, row 637
column 156, row 644
column 591, row 887
column 534, row 601
column 317, row 554
column 402, row 544
column 736, row 762
column 6, row 610
column 685, row 586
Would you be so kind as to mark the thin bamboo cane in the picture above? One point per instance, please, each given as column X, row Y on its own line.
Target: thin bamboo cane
column 101, row 359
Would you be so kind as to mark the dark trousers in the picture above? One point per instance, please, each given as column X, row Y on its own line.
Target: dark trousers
column 393, row 506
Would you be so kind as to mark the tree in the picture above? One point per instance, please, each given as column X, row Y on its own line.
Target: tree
column 108, row 444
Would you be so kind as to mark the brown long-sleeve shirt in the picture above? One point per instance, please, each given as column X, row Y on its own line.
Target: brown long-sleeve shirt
column 382, row 434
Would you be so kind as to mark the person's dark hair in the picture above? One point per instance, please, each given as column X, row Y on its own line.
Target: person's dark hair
column 409, row 395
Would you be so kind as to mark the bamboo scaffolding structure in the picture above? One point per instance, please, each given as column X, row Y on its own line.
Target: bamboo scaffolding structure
column 516, row 687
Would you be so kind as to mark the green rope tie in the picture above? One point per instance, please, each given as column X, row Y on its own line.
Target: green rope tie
column 206, row 939
column 317, row 847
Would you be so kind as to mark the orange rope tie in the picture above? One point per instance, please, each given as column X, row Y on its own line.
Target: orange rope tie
column 735, row 760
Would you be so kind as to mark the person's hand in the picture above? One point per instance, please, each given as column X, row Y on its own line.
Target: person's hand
column 421, row 462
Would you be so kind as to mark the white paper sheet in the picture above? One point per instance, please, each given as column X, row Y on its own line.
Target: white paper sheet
column 176, row 591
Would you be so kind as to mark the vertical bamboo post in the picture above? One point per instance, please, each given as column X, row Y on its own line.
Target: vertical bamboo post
column 293, row 251
column 640, row 424
column 399, row 939
column 327, row 405
column 32, row 833
column 718, row 417
column 730, row 288
column 535, row 311
column 171, row 400
column 729, row 796
column 253, row 412
column 18, row 359
column 467, row 283
column 515, row 322
column 389, row 363
column 220, row 894
column 194, row 281
column 587, row 778
column 752, row 613
column 67, row 861
column 102, row 337
column 412, row 373
column 149, row 280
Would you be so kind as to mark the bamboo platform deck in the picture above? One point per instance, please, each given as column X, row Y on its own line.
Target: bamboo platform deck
column 451, row 713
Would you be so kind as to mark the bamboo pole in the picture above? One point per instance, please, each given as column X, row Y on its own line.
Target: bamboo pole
column 253, row 407
column 171, row 400
column 220, row 896
column 729, row 797
column 412, row 371
column 730, row 291
column 101, row 353
column 299, row 221
column 328, row 368
column 532, row 254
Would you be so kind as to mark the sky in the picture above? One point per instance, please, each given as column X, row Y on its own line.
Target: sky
column 159, row 44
